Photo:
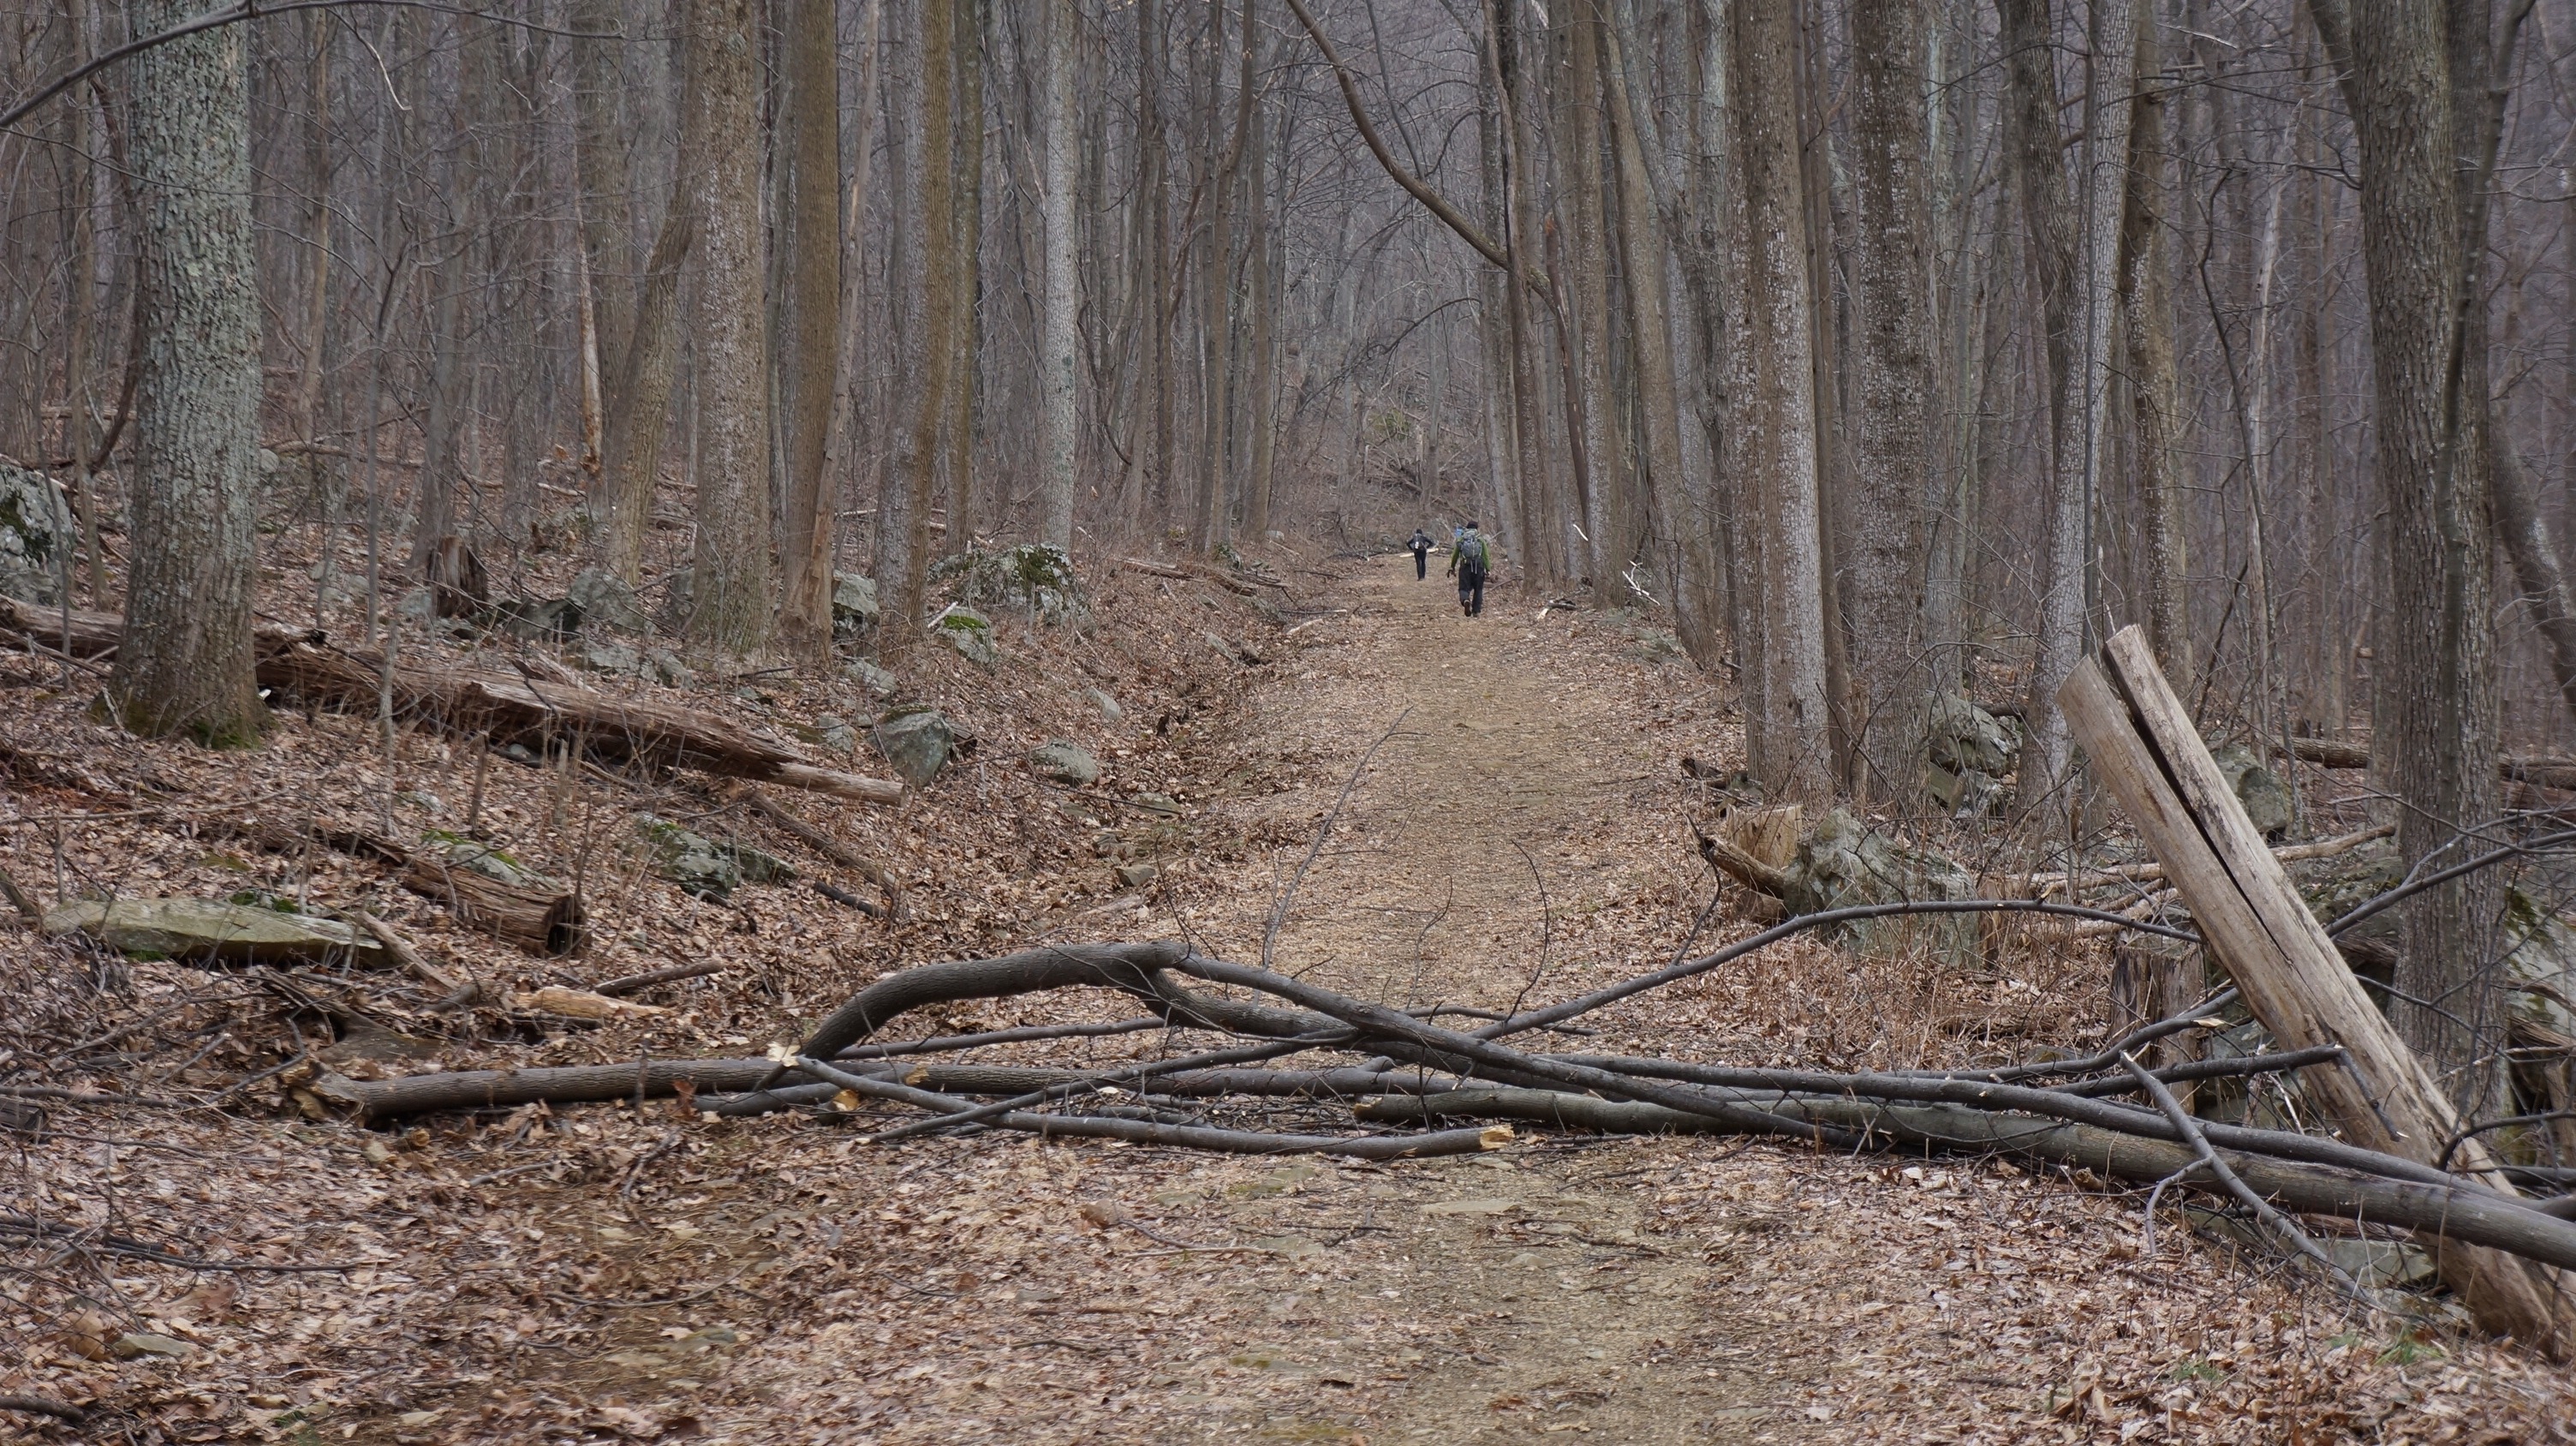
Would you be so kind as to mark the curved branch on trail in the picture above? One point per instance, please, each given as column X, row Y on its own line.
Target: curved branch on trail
column 2457, row 1211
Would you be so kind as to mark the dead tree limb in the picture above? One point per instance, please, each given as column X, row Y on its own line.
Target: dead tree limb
column 638, row 983
column 2207, row 1159
column 1196, row 1137
column 2457, row 1212
column 873, row 870
column 539, row 915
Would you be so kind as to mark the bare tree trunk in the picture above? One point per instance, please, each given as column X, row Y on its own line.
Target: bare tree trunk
column 1892, row 450
column 1057, row 345
column 2037, row 144
column 2146, row 312
column 639, row 400
column 908, row 597
column 1789, row 737
column 1605, row 514
column 600, row 142
column 1261, row 293
column 2527, row 542
column 811, row 150
column 843, row 435
column 729, row 596
column 186, row 664
column 2083, row 350
column 1641, row 257
column 2436, row 710
column 1541, row 531
column 966, row 312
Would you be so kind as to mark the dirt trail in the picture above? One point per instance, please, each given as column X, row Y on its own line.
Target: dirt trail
column 1444, row 869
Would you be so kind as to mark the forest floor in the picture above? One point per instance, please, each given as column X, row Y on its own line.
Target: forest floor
column 1405, row 804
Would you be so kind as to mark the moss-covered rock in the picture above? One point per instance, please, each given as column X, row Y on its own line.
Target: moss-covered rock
column 969, row 632
column 1034, row 578
column 705, row 868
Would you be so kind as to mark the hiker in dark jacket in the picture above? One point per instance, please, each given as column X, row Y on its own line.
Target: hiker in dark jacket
column 1470, row 558
column 1420, row 542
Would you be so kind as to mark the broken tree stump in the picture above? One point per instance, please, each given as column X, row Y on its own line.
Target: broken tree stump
column 2144, row 749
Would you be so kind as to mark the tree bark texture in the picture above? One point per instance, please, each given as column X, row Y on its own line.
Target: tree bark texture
column 186, row 666
column 2036, row 143
column 1788, row 733
column 1058, row 343
column 729, row 595
column 2146, row 314
column 1891, row 425
column 811, row 149
column 2437, row 700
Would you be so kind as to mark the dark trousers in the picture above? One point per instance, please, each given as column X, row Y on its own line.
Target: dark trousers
column 1421, row 563
column 1471, row 593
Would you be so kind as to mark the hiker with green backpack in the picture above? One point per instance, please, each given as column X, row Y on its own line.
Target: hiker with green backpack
column 1470, row 559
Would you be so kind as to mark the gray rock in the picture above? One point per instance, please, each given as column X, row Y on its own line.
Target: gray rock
column 1065, row 762
column 854, row 605
column 537, row 620
column 417, row 605
column 144, row 1343
column 917, row 742
column 1034, row 578
column 1844, row 864
column 2265, row 796
column 703, row 867
column 1136, row 876
column 617, row 658
column 1107, row 705
column 606, row 602
column 190, row 929
column 835, row 733
column 1964, row 738
column 668, row 669
column 969, row 632
column 878, row 682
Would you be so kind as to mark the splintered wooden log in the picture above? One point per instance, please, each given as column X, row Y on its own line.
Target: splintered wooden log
column 536, row 913
column 2145, row 750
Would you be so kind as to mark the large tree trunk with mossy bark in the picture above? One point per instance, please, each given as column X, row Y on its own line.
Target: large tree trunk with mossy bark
column 186, row 663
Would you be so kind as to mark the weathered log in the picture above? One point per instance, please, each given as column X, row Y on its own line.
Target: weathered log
column 2458, row 1212
column 534, row 912
column 2531, row 768
column 545, row 715
column 2144, row 748
column 511, row 709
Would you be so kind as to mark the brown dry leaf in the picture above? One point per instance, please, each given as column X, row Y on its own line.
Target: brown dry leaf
column 86, row 1333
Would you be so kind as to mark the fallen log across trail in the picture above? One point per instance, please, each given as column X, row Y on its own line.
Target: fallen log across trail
column 1444, row 1073
column 2458, row 1211
column 505, row 708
